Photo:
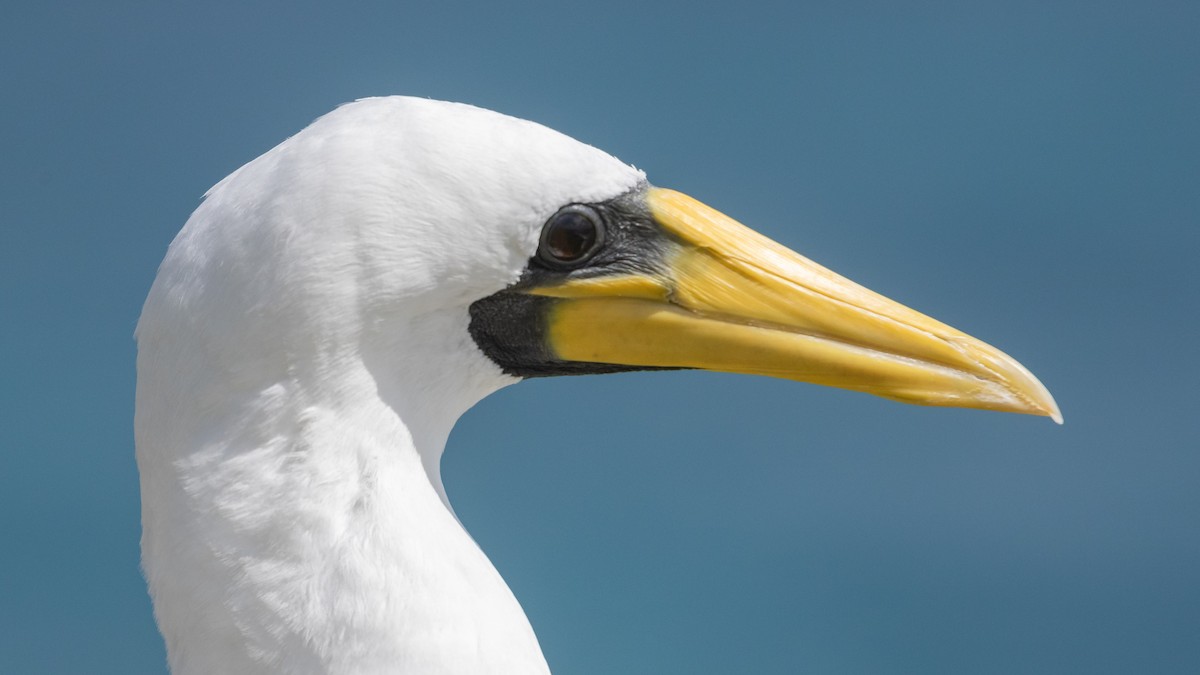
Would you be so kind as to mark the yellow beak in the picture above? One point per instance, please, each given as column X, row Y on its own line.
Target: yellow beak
column 733, row 300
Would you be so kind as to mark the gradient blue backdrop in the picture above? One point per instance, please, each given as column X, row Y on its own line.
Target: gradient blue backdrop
column 1027, row 171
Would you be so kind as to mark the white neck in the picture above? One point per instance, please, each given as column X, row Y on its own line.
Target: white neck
column 302, row 357
column 296, row 524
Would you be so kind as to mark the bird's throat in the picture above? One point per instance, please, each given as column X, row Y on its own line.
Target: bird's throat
column 298, row 537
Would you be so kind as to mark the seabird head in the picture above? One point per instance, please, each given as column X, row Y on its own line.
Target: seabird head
column 448, row 245
column 333, row 306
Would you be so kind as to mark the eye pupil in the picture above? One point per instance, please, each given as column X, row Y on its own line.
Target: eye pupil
column 572, row 235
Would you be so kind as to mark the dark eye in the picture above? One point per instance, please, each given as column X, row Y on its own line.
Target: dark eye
column 571, row 236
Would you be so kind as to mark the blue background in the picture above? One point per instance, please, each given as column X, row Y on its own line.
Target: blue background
column 1026, row 171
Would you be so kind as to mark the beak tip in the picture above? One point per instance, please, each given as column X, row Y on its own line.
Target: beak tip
column 1030, row 395
column 1044, row 399
column 1055, row 413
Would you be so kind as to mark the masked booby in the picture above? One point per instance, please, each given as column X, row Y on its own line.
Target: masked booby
column 333, row 306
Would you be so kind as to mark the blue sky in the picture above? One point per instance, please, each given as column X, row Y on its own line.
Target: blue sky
column 1028, row 172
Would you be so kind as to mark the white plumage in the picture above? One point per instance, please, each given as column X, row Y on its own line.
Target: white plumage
column 303, row 355
column 333, row 307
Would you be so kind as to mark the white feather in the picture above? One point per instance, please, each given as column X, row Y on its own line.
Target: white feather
column 302, row 357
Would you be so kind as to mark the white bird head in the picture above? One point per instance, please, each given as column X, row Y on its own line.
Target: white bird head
column 392, row 264
column 392, row 210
